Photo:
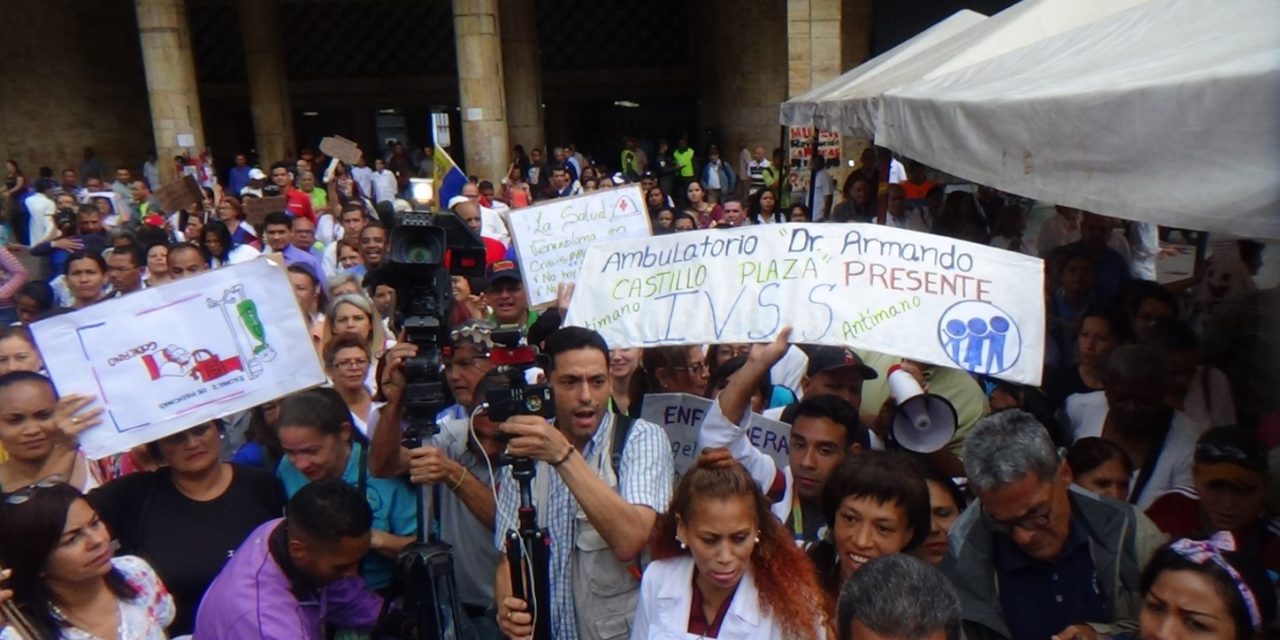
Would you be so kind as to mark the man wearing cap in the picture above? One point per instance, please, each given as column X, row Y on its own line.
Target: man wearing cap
column 1228, row 493
column 253, row 188
column 504, row 292
column 824, row 430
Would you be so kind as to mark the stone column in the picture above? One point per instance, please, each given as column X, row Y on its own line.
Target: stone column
column 813, row 43
column 165, row 36
column 478, row 39
column 268, row 87
column 522, row 69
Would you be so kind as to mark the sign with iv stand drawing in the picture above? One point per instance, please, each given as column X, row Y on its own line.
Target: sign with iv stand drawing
column 164, row 359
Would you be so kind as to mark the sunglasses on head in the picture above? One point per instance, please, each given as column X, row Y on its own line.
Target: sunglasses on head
column 28, row 492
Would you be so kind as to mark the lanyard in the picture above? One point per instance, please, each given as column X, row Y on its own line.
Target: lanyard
column 797, row 518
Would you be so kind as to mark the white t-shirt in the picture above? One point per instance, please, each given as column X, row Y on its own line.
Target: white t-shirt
column 1208, row 400
column 823, row 186
column 1144, row 244
column 40, row 210
column 911, row 219
column 1172, row 469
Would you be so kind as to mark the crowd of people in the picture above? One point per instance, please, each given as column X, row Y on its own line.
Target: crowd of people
column 1130, row 495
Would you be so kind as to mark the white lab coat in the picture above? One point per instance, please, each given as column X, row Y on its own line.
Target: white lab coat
column 666, row 593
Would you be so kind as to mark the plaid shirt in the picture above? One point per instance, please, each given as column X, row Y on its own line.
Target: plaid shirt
column 645, row 477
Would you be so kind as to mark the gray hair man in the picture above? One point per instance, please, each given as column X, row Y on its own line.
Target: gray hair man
column 1033, row 557
column 898, row 597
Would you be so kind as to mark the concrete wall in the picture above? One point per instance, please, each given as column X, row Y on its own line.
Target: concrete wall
column 741, row 48
column 72, row 78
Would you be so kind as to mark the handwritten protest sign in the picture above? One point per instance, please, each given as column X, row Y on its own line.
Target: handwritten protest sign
column 179, row 194
column 681, row 414
column 915, row 295
column 257, row 209
column 341, row 148
column 170, row 357
column 800, row 149
column 551, row 238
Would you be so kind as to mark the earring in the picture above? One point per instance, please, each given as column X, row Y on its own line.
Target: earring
column 682, row 544
column 757, row 538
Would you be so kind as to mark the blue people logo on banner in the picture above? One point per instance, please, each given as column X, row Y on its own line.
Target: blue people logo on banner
column 979, row 337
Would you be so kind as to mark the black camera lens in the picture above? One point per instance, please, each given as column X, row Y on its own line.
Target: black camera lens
column 417, row 245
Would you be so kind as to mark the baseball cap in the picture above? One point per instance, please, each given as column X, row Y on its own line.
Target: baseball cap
column 502, row 269
column 257, row 174
column 829, row 358
column 1230, row 445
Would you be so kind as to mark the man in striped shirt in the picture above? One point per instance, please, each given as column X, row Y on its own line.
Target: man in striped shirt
column 599, row 513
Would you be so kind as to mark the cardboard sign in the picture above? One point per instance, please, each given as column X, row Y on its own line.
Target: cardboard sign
column 800, row 149
column 179, row 194
column 681, row 414
column 341, row 148
column 165, row 359
column 551, row 238
column 916, row 295
column 257, row 209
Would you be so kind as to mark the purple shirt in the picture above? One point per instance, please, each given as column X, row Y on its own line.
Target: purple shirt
column 293, row 255
column 253, row 598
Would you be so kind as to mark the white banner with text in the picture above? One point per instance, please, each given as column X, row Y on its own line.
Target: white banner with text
column 916, row 295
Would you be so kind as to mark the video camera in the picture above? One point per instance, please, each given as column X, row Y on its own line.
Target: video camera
column 424, row 251
column 520, row 397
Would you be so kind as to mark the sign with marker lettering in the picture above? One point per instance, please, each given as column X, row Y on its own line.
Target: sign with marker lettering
column 551, row 238
column 916, row 295
column 681, row 414
column 167, row 358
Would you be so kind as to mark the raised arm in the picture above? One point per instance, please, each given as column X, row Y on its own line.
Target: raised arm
column 726, row 424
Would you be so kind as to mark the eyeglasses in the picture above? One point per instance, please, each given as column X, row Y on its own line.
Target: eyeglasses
column 353, row 363
column 28, row 492
column 1037, row 519
column 696, row 369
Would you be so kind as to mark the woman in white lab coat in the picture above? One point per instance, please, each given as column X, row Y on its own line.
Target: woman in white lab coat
column 725, row 567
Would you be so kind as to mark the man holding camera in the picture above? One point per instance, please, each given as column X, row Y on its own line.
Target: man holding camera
column 457, row 459
column 599, row 484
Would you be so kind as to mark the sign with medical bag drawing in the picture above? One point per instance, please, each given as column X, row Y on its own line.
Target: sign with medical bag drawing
column 165, row 359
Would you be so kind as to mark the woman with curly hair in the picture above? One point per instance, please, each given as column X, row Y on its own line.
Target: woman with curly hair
column 725, row 567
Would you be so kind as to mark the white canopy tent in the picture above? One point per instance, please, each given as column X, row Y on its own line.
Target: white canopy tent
column 848, row 104
column 811, row 108
column 1168, row 112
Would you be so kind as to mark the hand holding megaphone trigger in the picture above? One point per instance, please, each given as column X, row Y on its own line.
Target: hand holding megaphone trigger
column 922, row 422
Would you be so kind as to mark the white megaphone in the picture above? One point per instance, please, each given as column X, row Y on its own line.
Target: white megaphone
column 923, row 422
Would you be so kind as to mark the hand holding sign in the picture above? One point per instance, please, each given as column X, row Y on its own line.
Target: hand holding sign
column 70, row 418
column 341, row 148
